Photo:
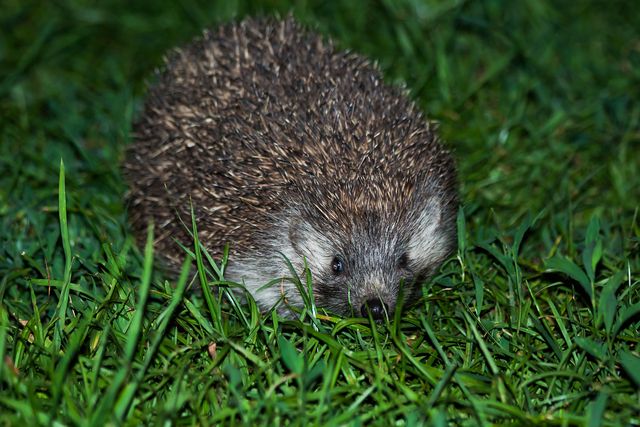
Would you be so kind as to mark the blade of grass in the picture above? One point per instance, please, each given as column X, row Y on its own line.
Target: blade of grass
column 212, row 305
column 61, row 309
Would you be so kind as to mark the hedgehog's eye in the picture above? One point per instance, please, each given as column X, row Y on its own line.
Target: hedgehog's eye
column 337, row 265
column 403, row 261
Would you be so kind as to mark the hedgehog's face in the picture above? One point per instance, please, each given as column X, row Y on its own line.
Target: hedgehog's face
column 362, row 279
column 377, row 263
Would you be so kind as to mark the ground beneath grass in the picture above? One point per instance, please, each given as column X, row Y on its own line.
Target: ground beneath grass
column 535, row 320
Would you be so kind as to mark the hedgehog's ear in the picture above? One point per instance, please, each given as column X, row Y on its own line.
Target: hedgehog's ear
column 295, row 233
column 429, row 242
column 302, row 236
column 307, row 242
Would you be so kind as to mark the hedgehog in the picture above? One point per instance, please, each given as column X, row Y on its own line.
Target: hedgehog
column 298, row 156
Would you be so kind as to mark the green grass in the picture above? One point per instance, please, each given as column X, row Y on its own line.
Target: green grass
column 535, row 321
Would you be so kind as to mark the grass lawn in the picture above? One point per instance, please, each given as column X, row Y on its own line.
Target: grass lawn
column 535, row 319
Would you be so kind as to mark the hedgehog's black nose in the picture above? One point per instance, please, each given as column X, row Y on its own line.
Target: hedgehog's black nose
column 376, row 307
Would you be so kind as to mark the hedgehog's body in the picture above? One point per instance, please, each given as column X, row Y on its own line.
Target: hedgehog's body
column 286, row 147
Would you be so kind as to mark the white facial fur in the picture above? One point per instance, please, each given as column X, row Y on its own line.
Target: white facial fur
column 255, row 270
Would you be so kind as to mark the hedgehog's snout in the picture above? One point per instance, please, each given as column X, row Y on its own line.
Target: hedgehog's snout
column 376, row 307
column 377, row 299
